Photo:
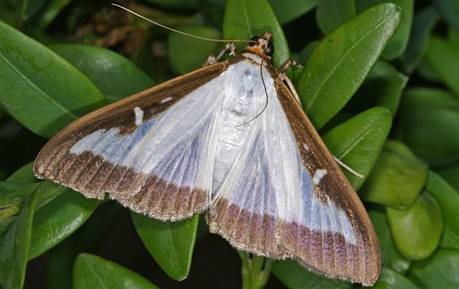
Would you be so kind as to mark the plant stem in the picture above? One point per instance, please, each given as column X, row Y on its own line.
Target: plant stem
column 255, row 271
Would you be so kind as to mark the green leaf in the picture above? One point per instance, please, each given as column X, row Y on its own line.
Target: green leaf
column 53, row 8
column 14, row 247
column 439, row 271
column 382, row 87
column 341, row 61
column 417, row 230
column 392, row 280
column 12, row 198
column 296, row 277
column 59, row 264
column 246, row 18
column 39, row 88
column 450, row 11
column 186, row 53
column 113, row 74
column 307, row 51
column 397, row 44
column 390, row 255
column 170, row 243
column 332, row 13
column 358, row 141
column 453, row 35
column 448, row 199
column 424, row 22
column 174, row 4
column 24, row 175
column 30, row 7
column 442, row 57
column 94, row 272
column 451, row 175
column 429, row 119
column 59, row 219
column 294, row 9
column 397, row 178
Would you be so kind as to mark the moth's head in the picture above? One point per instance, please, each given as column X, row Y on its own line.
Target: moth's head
column 262, row 46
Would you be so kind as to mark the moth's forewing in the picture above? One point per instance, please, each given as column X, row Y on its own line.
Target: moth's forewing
column 354, row 257
column 96, row 154
column 290, row 199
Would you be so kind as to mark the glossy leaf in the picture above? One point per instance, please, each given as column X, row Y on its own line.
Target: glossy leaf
column 12, row 199
column 23, row 175
column 450, row 10
column 94, row 272
column 170, row 243
column 294, row 9
column 54, row 7
column 307, row 51
column 14, row 247
column 186, row 53
column 397, row 178
column 382, row 87
column 423, row 24
column 429, row 119
column 439, row 271
column 392, row 280
column 358, row 141
column 114, row 75
column 39, row 88
column 391, row 257
column 246, row 18
column 296, row 277
column 332, row 13
column 451, row 175
column 453, row 35
column 341, row 61
column 12, row 193
column 59, row 264
column 397, row 44
column 442, row 57
column 30, row 7
column 448, row 199
column 58, row 219
column 417, row 230
column 171, row 4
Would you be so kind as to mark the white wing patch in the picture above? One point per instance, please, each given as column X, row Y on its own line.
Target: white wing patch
column 138, row 112
column 318, row 175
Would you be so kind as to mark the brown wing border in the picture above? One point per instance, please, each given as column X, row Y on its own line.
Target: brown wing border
column 335, row 185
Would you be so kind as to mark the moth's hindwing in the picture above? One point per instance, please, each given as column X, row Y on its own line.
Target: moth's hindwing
column 112, row 150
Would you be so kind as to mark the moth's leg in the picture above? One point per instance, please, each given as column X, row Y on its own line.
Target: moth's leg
column 283, row 77
column 229, row 47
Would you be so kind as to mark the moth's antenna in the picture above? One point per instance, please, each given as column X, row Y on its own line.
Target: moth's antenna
column 348, row 168
column 175, row 30
column 266, row 94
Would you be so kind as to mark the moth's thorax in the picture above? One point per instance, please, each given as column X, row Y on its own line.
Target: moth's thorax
column 244, row 98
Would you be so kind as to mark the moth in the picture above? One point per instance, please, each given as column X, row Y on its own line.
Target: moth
column 229, row 139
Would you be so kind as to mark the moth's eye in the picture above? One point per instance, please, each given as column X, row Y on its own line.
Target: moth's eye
column 269, row 49
column 253, row 40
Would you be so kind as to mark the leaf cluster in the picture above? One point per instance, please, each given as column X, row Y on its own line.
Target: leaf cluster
column 378, row 80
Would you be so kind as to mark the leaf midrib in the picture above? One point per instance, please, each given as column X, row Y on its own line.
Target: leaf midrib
column 338, row 63
column 174, row 251
column 38, row 89
column 363, row 134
